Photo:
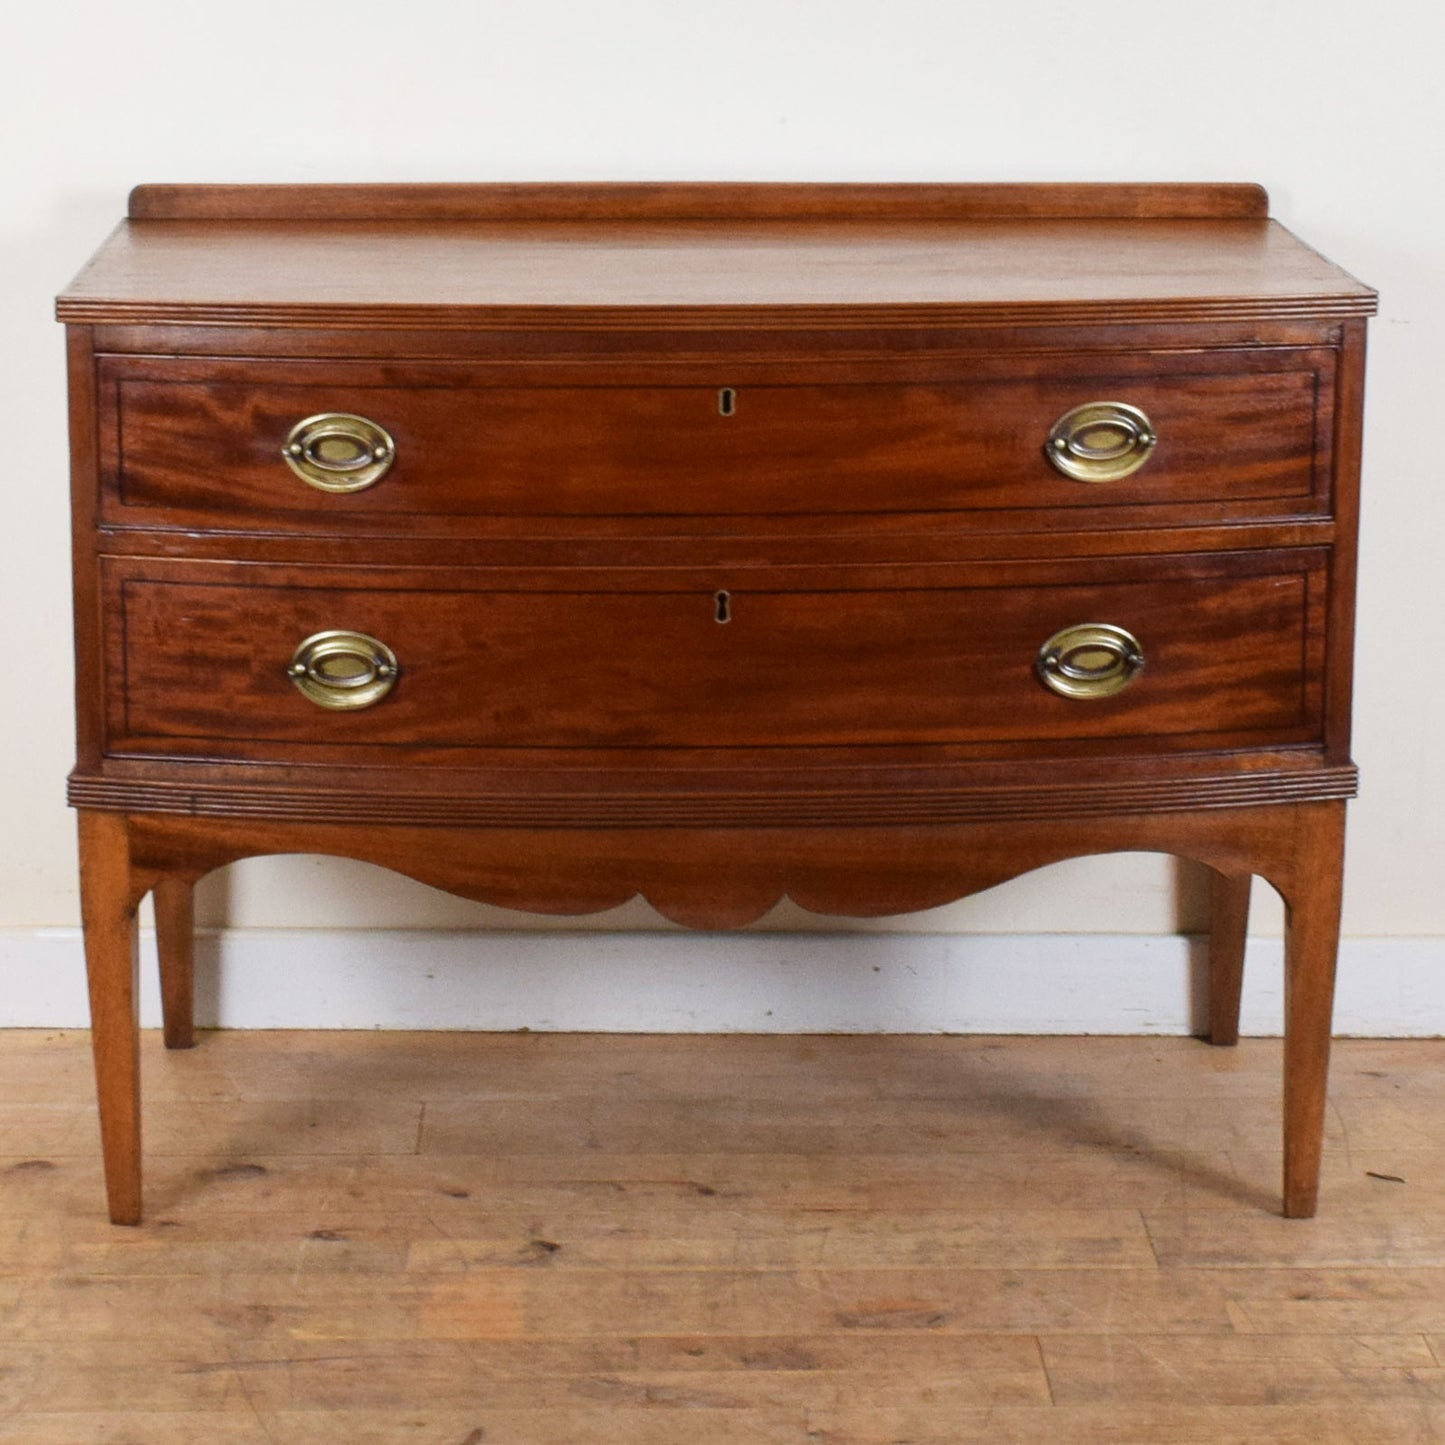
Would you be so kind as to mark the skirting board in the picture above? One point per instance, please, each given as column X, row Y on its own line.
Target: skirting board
column 727, row 983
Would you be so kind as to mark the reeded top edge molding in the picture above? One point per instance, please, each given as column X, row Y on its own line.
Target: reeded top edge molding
column 80, row 311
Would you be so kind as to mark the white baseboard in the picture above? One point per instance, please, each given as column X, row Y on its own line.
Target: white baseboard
column 725, row 983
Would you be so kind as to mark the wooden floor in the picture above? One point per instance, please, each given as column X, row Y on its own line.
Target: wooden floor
column 448, row 1239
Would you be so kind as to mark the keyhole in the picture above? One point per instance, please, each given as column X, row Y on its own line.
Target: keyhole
column 724, row 607
column 727, row 404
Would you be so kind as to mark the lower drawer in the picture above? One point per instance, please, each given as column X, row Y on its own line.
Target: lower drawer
column 211, row 659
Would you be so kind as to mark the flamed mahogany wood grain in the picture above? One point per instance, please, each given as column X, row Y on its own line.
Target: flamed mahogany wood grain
column 208, row 452
column 713, row 660
column 858, row 661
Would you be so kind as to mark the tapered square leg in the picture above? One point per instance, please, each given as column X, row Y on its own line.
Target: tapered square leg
column 175, row 944
column 1312, row 936
column 1228, row 925
column 108, row 910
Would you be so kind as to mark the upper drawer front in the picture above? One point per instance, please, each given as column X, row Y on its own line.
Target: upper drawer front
column 187, row 445
column 767, row 658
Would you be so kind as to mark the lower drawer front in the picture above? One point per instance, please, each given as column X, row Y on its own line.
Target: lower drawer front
column 201, row 657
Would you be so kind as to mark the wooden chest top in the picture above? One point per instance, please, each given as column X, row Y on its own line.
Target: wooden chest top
column 631, row 256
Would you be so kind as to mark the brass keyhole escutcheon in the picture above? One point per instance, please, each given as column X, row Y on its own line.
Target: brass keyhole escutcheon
column 1101, row 441
column 344, row 671
column 1090, row 660
column 336, row 451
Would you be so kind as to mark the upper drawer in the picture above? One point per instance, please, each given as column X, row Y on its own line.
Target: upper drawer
column 200, row 444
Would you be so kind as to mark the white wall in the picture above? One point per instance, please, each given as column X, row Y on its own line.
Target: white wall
column 1335, row 107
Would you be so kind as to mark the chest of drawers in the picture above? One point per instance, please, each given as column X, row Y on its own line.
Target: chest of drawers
column 868, row 545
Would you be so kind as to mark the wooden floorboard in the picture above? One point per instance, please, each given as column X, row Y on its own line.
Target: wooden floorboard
column 447, row 1239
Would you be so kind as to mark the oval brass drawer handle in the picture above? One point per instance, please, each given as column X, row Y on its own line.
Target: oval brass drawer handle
column 1101, row 441
column 338, row 452
column 343, row 670
column 1092, row 659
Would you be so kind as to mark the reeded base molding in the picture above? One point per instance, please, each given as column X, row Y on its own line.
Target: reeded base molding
column 1073, row 793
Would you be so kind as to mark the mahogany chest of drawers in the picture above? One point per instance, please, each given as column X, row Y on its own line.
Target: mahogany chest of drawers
column 864, row 544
